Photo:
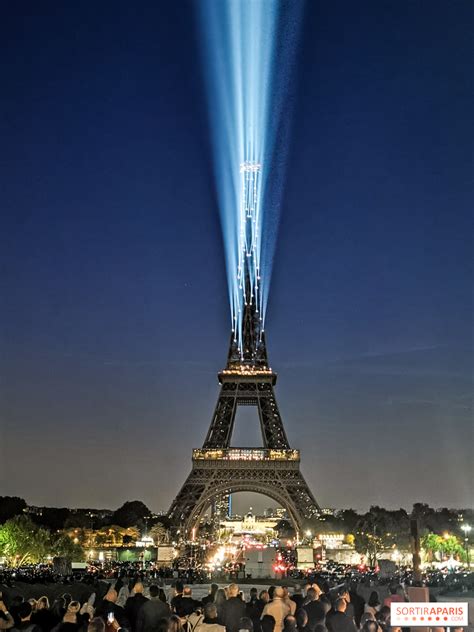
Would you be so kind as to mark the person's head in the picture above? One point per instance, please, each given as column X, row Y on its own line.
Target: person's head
column 175, row 624
column 74, row 607
column 210, row 610
column 42, row 603
column 138, row 588
column 67, row 599
column 96, row 624
column 245, row 625
column 111, row 595
column 311, row 594
column 393, row 589
column 162, row 626
column 187, row 591
column 367, row 616
column 24, row 611
column 179, row 587
column 301, row 618
column 344, row 593
column 271, row 591
column 232, row 590
column 213, row 589
column 161, row 595
column 264, row 596
column 289, row 623
column 32, row 602
column 383, row 614
column 340, row 604
column 279, row 592
column 154, row 591
column 267, row 623
column 373, row 599
column 58, row 606
column 16, row 600
column 324, row 599
column 253, row 593
column 369, row 626
column 220, row 596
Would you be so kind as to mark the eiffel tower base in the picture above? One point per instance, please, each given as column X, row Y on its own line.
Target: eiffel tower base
column 274, row 473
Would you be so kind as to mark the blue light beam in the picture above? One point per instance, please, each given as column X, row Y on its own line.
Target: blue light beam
column 249, row 50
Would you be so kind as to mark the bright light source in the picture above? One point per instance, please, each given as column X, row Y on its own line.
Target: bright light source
column 249, row 48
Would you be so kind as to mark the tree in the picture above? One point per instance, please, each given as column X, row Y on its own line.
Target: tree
column 380, row 529
column 62, row 546
column 445, row 546
column 11, row 506
column 285, row 529
column 22, row 542
column 349, row 518
column 100, row 539
column 159, row 533
column 54, row 518
column 131, row 514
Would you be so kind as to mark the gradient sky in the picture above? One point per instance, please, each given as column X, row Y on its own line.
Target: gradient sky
column 114, row 318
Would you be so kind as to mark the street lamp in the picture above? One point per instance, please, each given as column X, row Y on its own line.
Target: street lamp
column 466, row 528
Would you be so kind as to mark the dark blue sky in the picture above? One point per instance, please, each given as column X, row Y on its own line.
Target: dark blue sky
column 114, row 315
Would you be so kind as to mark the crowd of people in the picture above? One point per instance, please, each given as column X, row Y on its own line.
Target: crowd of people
column 129, row 606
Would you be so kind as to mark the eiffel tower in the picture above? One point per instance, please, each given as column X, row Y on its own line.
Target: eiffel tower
column 218, row 469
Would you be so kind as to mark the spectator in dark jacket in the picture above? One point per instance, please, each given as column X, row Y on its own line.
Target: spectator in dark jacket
column 233, row 609
column 315, row 610
column 134, row 603
column 108, row 606
column 211, row 596
column 186, row 605
column 152, row 612
column 24, row 614
column 339, row 621
column 297, row 596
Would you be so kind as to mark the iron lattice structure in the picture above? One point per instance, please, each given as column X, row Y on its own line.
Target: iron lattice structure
column 219, row 469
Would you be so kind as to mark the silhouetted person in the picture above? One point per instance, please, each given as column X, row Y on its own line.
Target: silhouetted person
column 315, row 609
column 210, row 622
column 186, row 605
column 24, row 614
column 134, row 604
column 151, row 612
column 233, row 609
column 211, row 596
column 339, row 621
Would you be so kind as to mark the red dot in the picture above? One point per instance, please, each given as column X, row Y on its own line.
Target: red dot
column 413, row 618
column 437, row 618
column 422, row 618
column 429, row 618
column 445, row 618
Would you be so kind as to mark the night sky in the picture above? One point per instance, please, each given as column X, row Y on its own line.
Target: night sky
column 115, row 319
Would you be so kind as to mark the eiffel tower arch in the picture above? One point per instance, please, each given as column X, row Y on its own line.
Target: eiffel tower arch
column 218, row 468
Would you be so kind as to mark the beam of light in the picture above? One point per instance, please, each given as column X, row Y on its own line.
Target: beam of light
column 249, row 48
